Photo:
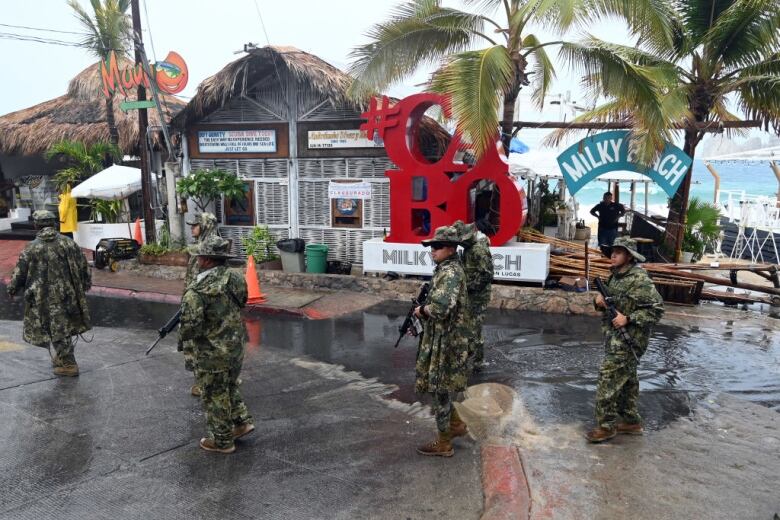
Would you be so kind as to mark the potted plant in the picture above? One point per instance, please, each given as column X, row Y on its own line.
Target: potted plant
column 164, row 252
column 701, row 230
column 206, row 186
column 259, row 244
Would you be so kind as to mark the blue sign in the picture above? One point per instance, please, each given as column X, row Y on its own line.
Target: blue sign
column 609, row 152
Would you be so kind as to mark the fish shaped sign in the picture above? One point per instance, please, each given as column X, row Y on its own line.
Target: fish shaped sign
column 609, row 151
column 170, row 75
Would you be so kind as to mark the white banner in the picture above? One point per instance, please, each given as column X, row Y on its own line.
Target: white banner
column 519, row 261
column 237, row 141
column 349, row 190
column 342, row 139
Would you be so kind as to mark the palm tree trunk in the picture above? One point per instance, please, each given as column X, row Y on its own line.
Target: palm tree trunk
column 676, row 219
column 113, row 132
column 508, row 118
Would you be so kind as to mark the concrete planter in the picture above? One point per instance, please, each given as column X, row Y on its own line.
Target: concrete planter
column 173, row 258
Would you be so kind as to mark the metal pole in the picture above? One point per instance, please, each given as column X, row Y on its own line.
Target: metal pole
column 776, row 169
column 717, row 181
column 143, row 122
column 647, row 199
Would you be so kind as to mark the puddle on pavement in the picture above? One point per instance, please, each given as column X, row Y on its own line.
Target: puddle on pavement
column 551, row 360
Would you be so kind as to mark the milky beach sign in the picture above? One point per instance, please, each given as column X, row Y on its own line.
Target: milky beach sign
column 608, row 152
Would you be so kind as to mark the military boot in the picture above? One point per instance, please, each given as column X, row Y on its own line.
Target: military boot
column 195, row 391
column 208, row 444
column 67, row 370
column 458, row 428
column 629, row 428
column 242, row 429
column 600, row 434
column 441, row 447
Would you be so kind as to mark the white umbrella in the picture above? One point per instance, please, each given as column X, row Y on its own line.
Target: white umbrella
column 113, row 183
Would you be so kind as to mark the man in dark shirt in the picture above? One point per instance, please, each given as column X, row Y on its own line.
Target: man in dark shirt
column 608, row 213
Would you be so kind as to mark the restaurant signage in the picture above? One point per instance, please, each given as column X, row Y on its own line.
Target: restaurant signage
column 609, row 151
column 518, row 261
column 349, row 190
column 237, row 141
column 170, row 75
column 347, row 138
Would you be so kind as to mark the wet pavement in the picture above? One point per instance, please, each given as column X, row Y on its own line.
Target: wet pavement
column 710, row 396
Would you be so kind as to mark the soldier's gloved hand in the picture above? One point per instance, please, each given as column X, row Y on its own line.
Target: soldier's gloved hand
column 599, row 301
column 620, row 321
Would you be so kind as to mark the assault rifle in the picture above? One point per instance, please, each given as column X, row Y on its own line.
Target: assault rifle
column 166, row 329
column 412, row 323
column 612, row 312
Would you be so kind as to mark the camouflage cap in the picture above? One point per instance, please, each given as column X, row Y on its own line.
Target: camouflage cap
column 467, row 232
column 201, row 218
column 443, row 235
column 629, row 244
column 214, row 247
column 43, row 215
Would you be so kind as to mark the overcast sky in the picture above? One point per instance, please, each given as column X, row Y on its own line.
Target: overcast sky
column 207, row 33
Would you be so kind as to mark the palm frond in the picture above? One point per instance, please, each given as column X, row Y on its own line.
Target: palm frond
column 699, row 16
column 419, row 32
column 744, row 33
column 655, row 22
column 759, row 98
column 107, row 29
column 543, row 69
column 475, row 80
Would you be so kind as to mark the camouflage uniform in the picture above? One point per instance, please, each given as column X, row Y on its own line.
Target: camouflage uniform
column 55, row 277
column 478, row 266
column 211, row 323
column 443, row 351
column 635, row 296
column 208, row 227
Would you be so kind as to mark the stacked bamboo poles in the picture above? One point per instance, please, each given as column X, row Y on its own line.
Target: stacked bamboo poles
column 570, row 258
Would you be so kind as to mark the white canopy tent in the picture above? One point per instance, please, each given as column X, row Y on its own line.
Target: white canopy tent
column 114, row 183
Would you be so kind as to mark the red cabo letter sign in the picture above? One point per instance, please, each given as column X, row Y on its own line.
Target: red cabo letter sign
column 447, row 184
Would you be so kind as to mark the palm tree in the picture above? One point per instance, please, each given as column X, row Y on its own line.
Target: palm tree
column 481, row 61
column 723, row 52
column 82, row 161
column 110, row 29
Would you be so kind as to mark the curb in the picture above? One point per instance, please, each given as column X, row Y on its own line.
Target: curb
column 175, row 299
column 507, row 494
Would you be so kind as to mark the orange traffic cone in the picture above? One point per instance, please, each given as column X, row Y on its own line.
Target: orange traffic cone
column 252, row 283
column 137, row 236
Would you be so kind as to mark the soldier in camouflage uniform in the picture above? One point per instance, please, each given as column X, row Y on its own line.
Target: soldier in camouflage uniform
column 442, row 355
column 639, row 307
column 55, row 276
column 211, row 322
column 478, row 266
column 202, row 226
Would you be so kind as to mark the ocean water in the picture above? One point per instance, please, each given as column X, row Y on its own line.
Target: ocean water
column 754, row 178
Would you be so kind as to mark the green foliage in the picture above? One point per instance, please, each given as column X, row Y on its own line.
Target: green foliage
column 107, row 211
column 165, row 244
column 82, row 161
column 549, row 202
column 720, row 54
column 259, row 244
column 701, row 228
column 483, row 60
column 206, row 186
column 108, row 28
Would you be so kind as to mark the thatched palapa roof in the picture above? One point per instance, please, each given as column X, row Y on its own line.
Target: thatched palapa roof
column 237, row 77
column 79, row 115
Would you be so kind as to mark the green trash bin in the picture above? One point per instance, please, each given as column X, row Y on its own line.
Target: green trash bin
column 316, row 258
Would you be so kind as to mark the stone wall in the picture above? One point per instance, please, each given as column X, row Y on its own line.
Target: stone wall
column 509, row 297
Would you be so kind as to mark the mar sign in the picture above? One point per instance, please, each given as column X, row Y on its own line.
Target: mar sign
column 609, row 152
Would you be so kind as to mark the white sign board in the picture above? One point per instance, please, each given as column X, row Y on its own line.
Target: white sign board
column 342, row 139
column 349, row 190
column 519, row 261
column 237, row 141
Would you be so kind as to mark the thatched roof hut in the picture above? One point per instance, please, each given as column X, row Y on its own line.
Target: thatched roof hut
column 79, row 115
column 239, row 76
